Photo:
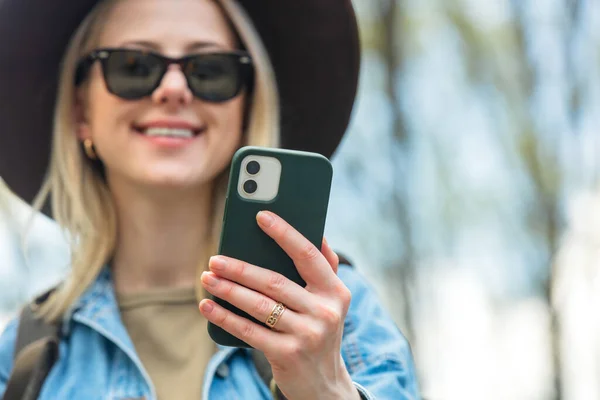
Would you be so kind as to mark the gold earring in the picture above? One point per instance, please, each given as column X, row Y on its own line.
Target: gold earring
column 88, row 146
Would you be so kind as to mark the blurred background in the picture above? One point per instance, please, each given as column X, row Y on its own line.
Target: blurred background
column 467, row 191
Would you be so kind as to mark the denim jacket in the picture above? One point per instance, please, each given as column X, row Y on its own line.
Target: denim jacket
column 98, row 359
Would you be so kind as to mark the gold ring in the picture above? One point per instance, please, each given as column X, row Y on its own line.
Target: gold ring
column 276, row 313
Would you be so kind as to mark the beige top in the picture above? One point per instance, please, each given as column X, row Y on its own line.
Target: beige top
column 170, row 337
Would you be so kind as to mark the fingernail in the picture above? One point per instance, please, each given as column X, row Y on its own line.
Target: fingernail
column 206, row 307
column 209, row 279
column 217, row 263
column 265, row 219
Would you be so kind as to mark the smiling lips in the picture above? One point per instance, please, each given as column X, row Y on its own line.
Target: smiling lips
column 169, row 130
column 170, row 134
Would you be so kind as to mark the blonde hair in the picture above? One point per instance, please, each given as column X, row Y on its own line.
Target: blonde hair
column 80, row 197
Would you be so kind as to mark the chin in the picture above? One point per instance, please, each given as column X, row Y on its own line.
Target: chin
column 177, row 176
column 177, row 183
column 179, row 180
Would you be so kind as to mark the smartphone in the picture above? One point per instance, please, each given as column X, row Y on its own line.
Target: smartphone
column 294, row 185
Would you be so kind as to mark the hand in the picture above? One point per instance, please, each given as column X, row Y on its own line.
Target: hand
column 304, row 346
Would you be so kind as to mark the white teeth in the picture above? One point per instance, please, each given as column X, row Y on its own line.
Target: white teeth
column 170, row 132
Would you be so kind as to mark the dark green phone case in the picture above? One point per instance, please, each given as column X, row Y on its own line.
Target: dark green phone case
column 302, row 201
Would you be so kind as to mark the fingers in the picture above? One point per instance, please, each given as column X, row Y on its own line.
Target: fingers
column 331, row 257
column 262, row 280
column 312, row 266
column 255, row 335
column 255, row 304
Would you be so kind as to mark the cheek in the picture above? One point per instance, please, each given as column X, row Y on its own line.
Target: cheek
column 107, row 113
column 230, row 119
column 100, row 102
column 225, row 134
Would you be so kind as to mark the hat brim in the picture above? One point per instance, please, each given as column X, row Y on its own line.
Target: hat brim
column 313, row 46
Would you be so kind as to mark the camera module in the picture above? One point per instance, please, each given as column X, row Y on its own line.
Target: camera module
column 253, row 167
column 250, row 186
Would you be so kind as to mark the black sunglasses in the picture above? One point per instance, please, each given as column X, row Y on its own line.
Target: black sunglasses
column 132, row 74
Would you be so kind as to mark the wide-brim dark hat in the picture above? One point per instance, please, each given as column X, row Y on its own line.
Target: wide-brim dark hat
column 313, row 45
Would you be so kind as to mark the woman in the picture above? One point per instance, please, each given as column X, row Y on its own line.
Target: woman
column 153, row 99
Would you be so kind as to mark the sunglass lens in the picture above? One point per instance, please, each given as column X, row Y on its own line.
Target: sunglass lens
column 214, row 77
column 132, row 74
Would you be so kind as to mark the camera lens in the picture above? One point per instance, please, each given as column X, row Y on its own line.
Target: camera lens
column 250, row 186
column 253, row 167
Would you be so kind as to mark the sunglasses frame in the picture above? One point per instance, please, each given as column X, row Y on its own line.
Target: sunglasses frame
column 246, row 69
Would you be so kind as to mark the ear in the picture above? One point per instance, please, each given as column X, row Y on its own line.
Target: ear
column 82, row 127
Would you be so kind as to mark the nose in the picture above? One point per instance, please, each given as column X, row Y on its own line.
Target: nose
column 173, row 90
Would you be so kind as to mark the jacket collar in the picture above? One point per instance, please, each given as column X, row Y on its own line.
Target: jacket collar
column 99, row 300
column 98, row 306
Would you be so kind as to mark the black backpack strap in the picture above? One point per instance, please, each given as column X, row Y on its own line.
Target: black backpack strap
column 36, row 351
column 264, row 368
column 344, row 260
